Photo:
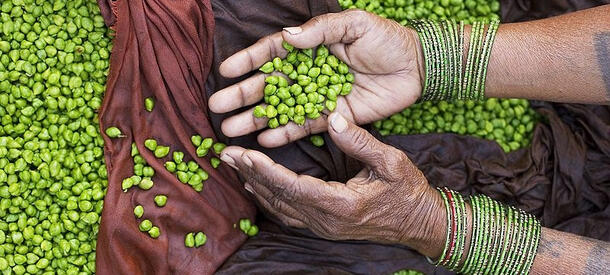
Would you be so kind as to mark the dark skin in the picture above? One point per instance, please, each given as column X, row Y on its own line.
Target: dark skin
column 563, row 59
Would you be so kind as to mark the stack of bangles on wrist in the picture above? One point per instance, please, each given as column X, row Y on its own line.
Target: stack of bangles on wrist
column 504, row 239
column 448, row 77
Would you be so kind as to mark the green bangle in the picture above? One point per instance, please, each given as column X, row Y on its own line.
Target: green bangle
column 449, row 229
column 506, row 239
column 489, row 40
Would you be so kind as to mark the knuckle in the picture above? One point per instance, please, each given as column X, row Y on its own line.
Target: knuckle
column 396, row 164
column 357, row 13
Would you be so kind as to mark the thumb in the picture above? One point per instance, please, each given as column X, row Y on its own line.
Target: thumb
column 330, row 28
column 360, row 144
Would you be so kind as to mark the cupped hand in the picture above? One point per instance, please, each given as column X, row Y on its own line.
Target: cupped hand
column 383, row 56
column 389, row 201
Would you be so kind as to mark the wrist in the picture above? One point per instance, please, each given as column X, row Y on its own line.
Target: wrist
column 428, row 233
column 420, row 62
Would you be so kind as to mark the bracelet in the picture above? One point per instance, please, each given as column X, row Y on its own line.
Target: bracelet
column 504, row 239
column 447, row 77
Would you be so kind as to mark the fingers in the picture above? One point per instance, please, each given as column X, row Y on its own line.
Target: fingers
column 242, row 94
column 245, row 123
column 253, row 57
column 359, row 143
column 242, row 124
column 291, row 132
column 283, row 211
column 331, row 28
column 257, row 168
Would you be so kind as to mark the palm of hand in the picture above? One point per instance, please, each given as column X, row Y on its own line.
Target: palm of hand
column 385, row 66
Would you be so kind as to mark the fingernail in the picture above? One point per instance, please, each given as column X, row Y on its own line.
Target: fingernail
column 293, row 30
column 248, row 188
column 338, row 123
column 228, row 160
column 247, row 160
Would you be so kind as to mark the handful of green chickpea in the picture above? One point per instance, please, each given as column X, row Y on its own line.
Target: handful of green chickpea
column 318, row 80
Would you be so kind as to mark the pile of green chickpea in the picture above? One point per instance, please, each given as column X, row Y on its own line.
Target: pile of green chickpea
column 54, row 57
column 510, row 122
column 403, row 10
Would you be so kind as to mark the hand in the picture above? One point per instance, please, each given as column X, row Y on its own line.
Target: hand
column 389, row 201
column 384, row 57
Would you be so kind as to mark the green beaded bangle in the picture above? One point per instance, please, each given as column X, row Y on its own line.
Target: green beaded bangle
column 506, row 239
column 489, row 39
column 534, row 248
column 449, row 229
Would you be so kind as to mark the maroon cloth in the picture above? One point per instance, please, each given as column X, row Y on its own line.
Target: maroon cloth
column 163, row 48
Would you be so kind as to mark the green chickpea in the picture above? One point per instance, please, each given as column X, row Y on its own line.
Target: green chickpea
column 253, row 231
column 273, row 123
column 126, row 184
column 138, row 211
column 154, row 232
column 267, row 67
column 196, row 140
column 272, row 80
column 161, row 151
column 150, row 144
column 200, row 239
column 189, row 240
column 259, row 111
column 317, row 141
column 218, row 147
column 114, row 132
column 145, row 225
column 277, row 64
column 270, row 111
column 149, row 104
column 146, row 184
column 215, row 162
column 160, row 200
